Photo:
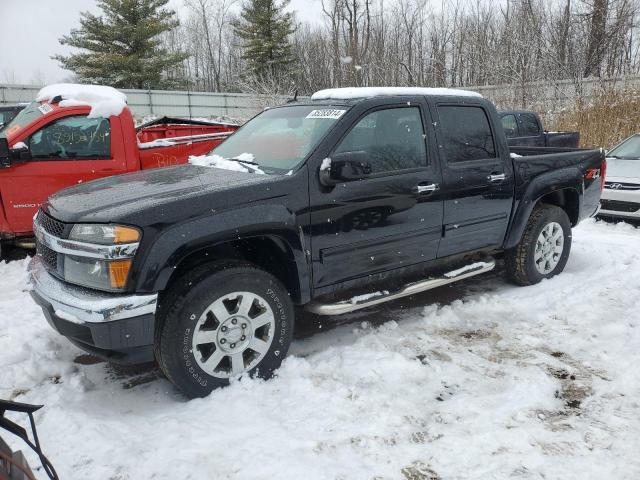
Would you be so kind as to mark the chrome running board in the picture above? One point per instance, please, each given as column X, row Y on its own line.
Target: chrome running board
column 364, row 301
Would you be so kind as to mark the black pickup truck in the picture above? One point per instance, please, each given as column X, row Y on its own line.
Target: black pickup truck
column 524, row 128
column 337, row 203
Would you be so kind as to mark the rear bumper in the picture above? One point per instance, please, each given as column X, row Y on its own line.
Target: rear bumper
column 115, row 327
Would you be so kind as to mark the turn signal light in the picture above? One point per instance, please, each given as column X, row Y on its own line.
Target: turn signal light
column 119, row 273
column 125, row 234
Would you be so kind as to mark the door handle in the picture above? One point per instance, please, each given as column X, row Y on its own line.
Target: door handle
column 426, row 188
column 495, row 178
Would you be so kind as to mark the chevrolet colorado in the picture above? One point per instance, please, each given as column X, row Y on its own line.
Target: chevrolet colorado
column 337, row 203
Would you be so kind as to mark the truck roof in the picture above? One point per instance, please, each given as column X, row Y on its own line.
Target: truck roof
column 104, row 101
column 353, row 93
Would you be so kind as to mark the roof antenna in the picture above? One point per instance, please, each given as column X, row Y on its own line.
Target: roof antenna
column 295, row 97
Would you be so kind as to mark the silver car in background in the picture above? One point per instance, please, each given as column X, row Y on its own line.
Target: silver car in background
column 621, row 195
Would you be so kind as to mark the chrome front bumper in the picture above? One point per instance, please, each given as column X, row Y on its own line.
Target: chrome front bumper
column 81, row 305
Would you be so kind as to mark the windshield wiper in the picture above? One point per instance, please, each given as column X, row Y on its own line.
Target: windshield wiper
column 248, row 162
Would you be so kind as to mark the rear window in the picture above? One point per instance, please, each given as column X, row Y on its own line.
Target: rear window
column 466, row 133
column 530, row 126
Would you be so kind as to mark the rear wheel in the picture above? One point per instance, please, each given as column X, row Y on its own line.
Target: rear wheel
column 217, row 325
column 544, row 248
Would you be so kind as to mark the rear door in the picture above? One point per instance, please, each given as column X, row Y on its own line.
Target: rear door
column 392, row 219
column 65, row 152
column 477, row 183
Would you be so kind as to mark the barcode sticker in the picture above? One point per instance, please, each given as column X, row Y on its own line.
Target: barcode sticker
column 329, row 113
column 45, row 108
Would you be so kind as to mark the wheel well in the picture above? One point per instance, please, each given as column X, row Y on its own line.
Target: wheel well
column 271, row 253
column 567, row 199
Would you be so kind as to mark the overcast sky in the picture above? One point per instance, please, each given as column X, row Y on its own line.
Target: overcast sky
column 31, row 29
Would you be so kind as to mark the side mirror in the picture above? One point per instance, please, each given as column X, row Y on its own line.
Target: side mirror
column 20, row 151
column 344, row 167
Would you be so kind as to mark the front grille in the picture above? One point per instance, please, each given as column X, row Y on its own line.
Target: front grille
column 615, row 206
column 51, row 225
column 621, row 186
column 49, row 257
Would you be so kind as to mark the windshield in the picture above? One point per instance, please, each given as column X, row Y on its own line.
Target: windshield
column 279, row 139
column 25, row 117
column 627, row 150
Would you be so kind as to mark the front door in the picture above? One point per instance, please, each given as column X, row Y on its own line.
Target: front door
column 64, row 153
column 390, row 220
column 477, row 183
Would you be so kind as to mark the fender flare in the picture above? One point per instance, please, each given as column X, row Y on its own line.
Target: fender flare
column 555, row 181
column 173, row 245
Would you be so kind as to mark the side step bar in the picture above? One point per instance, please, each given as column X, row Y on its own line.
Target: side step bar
column 364, row 301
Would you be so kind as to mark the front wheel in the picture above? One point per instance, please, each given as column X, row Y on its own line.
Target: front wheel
column 221, row 324
column 544, row 248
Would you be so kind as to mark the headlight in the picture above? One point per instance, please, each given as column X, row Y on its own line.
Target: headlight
column 99, row 273
column 108, row 275
column 104, row 234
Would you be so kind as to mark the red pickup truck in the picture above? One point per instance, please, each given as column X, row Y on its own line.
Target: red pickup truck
column 60, row 142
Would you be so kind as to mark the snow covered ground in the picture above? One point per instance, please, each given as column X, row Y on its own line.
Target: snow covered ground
column 493, row 381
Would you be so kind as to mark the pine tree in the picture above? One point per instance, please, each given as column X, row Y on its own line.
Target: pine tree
column 265, row 29
column 123, row 47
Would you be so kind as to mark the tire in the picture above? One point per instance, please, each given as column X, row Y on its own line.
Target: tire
column 211, row 327
column 532, row 261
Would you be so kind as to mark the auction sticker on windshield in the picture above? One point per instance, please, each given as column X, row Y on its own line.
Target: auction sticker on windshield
column 45, row 108
column 332, row 113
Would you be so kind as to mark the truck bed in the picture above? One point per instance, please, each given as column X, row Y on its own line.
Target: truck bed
column 530, row 162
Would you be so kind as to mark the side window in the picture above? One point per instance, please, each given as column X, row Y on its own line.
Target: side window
column 466, row 134
column 530, row 126
column 72, row 138
column 393, row 139
column 510, row 126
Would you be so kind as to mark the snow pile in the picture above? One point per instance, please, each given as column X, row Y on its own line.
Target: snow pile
column 159, row 142
column 216, row 161
column 326, row 165
column 466, row 268
column 104, row 101
column 368, row 92
column 479, row 380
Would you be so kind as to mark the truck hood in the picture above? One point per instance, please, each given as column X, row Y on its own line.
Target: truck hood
column 623, row 169
column 137, row 198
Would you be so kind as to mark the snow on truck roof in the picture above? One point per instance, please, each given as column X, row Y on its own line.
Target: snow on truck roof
column 368, row 92
column 104, row 101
